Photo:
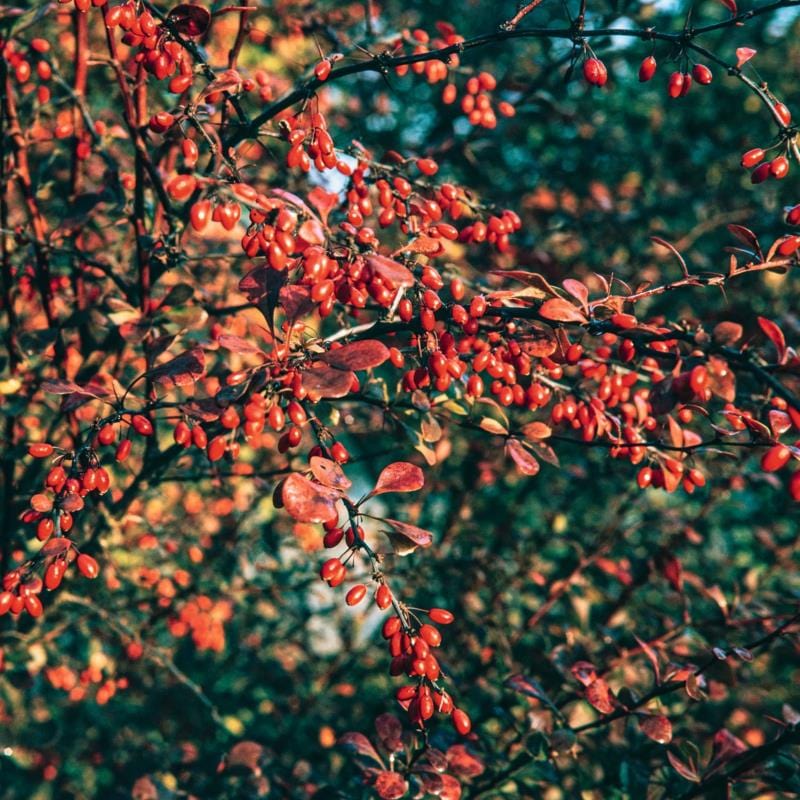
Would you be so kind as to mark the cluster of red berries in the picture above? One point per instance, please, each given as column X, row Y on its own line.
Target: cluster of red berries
column 20, row 63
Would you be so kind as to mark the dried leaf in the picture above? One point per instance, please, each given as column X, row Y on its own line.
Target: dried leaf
column 399, row 477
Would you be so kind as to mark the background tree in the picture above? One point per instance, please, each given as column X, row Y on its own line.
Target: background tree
column 485, row 315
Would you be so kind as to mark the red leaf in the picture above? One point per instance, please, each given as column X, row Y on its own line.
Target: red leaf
column 577, row 290
column 307, row 501
column 399, row 477
column 329, row 473
column 746, row 236
column 775, row 335
column 743, row 55
column 357, row 355
column 324, row 381
column 523, row 458
column 451, row 788
column 391, row 271
column 296, row 301
column 656, row 727
column 730, row 5
column 183, row 370
column 599, row 695
column 560, row 310
column 390, row 786
column 71, row 502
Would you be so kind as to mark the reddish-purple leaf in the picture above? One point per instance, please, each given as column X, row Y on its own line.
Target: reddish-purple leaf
column 577, row 289
column 324, row 381
column 307, row 501
column 656, row 727
column 295, row 301
column 746, row 236
column 329, row 473
column 599, row 695
column 721, row 379
column 730, row 5
column 323, row 201
column 390, row 786
column 652, row 656
column 560, row 310
column 525, row 460
column 357, row 355
column 236, row 344
column 399, row 477
column 390, row 732
column 183, row 370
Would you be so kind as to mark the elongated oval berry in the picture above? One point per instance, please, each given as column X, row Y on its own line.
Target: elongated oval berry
column 330, row 568
column 383, row 597
column 789, row 246
column 53, row 575
column 33, row 605
column 783, row 113
column 142, row 425
column 461, row 721
column 216, row 448
column 647, row 69
column 430, row 635
column 322, row 70
column 594, row 70
column 441, row 616
column 793, row 215
column 702, row 74
column 779, row 167
column 88, row 566
column 200, row 214
column 760, row 173
column 390, row 627
column 107, row 434
column 5, row 602
column 752, row 157
column 123, row 450
column 675, row 84
column 40, row 449
column 356, row 594
column 775, row 458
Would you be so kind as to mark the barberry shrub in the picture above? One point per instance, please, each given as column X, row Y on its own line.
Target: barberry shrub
column 399, row 400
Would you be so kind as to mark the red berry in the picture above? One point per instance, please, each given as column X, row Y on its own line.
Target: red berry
column 356, row 594
column 753, row 157
column 702, row 74
column 142, row 425
column 647, row 69
column 675, row 84
column 775, row 458
column 461, row 721
column 88, row 566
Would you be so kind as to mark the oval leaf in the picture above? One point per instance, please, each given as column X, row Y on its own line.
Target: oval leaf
column 656, row 727
column 560, row 310
column 399, row 477
column 307, row 501
column 357, row 355
column 523, row 458
column 329, row 473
